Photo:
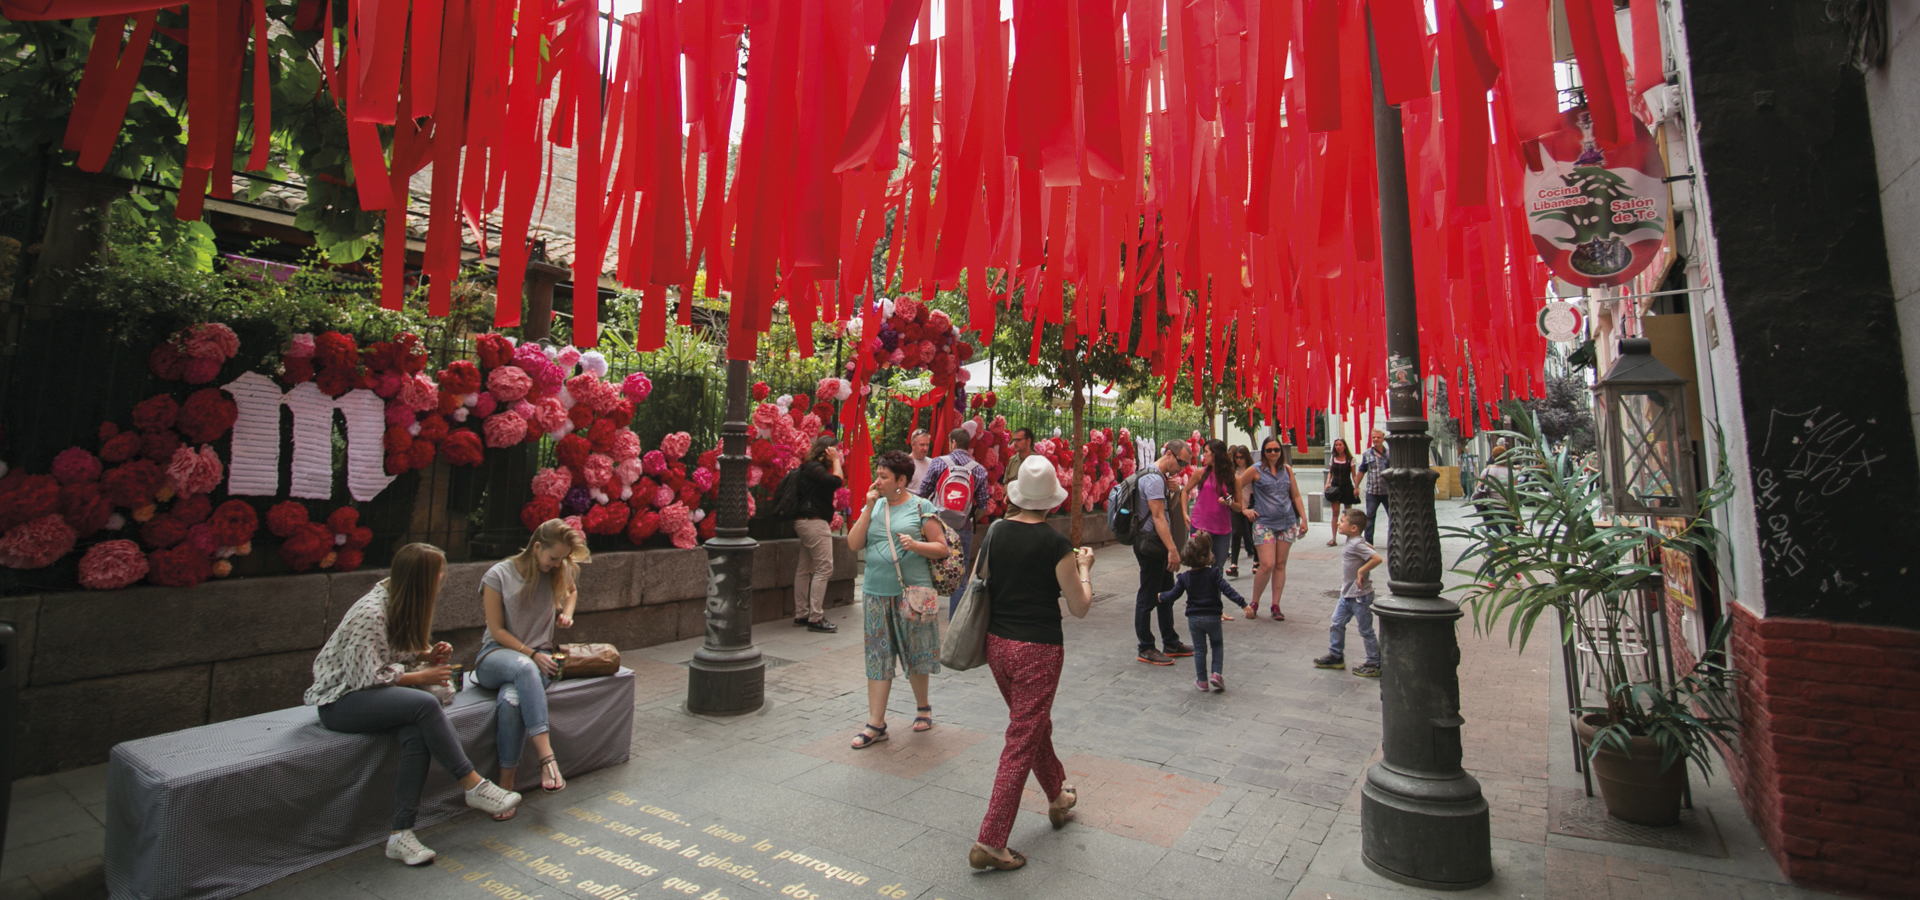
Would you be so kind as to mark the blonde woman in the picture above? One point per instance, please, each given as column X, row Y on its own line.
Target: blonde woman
column 526, row 596
column 361, row 685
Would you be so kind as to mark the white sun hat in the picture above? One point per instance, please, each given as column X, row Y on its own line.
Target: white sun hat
column 1037, row 488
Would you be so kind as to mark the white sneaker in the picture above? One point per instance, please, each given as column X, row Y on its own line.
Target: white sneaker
column 406, row 848
column 490, row 798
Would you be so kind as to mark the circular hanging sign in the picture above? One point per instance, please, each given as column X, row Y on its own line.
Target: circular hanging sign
column 1559, row 321
column 1597, row 216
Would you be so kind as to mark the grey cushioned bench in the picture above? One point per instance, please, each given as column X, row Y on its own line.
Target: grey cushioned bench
column 215, row 811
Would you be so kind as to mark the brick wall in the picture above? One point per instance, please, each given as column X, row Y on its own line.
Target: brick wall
column 1829, row 762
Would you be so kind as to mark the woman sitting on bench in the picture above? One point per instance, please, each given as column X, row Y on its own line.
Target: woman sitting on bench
column 526, row 595
column 361, row 686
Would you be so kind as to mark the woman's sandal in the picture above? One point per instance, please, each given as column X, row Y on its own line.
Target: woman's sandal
column 1277, row 616
column 981, row 858
column 1330, row 543
column 923, row 721
column 1056, row 813
column 559, row 782
column 864, row 739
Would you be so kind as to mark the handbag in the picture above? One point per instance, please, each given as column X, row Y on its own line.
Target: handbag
column 949, row 573
column 965, row 644
column 589, row 660
column 918, row 603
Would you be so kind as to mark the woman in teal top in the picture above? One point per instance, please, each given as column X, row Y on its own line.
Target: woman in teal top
column 898, row 532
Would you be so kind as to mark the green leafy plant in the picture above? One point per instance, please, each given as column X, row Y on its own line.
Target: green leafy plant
column 1540, row 546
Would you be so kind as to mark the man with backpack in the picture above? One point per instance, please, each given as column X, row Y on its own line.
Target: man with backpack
column 957, row 486
column 1140, row 512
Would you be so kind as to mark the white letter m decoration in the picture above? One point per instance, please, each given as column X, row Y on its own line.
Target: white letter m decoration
column 254, row 470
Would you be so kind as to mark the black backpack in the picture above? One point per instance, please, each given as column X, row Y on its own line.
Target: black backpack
column 785, row 502
column 1124, row 508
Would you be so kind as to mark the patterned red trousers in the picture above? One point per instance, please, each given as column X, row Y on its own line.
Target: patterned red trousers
column 1028, row 676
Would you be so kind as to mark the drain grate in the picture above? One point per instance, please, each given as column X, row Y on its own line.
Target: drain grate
column 1571, row 812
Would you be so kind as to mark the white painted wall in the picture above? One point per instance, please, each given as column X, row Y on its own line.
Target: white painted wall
column 1893, row 96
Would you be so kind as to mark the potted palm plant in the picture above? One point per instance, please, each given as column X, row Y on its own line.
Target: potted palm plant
column 1540, row 544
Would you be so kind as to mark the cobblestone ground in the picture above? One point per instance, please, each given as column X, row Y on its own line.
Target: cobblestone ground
column 1253, row 792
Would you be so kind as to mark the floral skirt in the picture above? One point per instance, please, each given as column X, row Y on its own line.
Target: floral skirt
column 892, row 636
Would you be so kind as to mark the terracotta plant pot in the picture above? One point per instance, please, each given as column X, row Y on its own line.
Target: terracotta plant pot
column 1635, row 790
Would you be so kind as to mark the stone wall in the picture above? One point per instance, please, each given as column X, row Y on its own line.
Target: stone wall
column 101, row 667
column 1829, row 757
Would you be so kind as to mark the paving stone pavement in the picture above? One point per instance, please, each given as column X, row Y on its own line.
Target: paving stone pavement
column 1252, row 792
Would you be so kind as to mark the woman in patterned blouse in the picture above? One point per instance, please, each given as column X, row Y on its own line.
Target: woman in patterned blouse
column 361, row 685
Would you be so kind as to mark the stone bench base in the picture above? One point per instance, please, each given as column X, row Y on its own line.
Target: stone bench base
column 215, row 811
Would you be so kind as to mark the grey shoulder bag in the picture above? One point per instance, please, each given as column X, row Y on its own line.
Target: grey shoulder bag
column 965, row 644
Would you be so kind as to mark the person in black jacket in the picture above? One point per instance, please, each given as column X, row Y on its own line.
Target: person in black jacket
column 1203, row 584
column 819, row 477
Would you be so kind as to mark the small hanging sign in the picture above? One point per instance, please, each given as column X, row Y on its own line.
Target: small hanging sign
column 1559, row 321
column 1597, row 216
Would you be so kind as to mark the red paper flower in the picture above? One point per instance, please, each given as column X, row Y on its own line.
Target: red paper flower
column 397, row 463
column 433, row 428
column 178, row 566
column 191, row 510
column 573, row 450
column 159, row 446
column 131, row 484
column 580, row 416
column 162, row 532
column 358, row 538
column 334, row 350
column 36, row 543
column 334, row 382
column 343, row 520
column 396, row 439
column 84, row 509
column 156, row 413
column 207, row 415
column 234, row 522
column 296, row 370
column 75, row 466
column 167, row 362
column 420, row 455
column 460, row 377
column 462, row 448
column 345, row 560
column 110, row 565
column 306, row 546
column 210, row 340
column 494, row 349
column 538, row 510
column 761, row 390
column 286, row 517
column 610, row 518
column 621, row 414
column 707, row 527
column 643, row 526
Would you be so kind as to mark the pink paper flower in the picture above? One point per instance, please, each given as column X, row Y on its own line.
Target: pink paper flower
column 484, row 404
column 676, row 445
column 398, row 416
column 301, row 347
column 627, row 471
column 705, row 479
column 193, row 472
column 76, row 466
column 654, row 463
column 37, row 543
column 663, row 497
column 842, row 498
column 211, row 341
column 636, row 386
column 549, row 416
column 599, row 471
column 505, row 430
column 509, row 383
column 567, row 358
column 625, row 446
column 552, row 483
column 418, row 393
column 110, row 565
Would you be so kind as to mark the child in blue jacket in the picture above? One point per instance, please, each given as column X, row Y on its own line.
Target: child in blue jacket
column 1203, row 585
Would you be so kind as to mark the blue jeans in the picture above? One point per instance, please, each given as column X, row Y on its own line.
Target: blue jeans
column 1207, row 627
column 1360, row 607
column 521, row 706
column 1154, row 578
column 1374, row 502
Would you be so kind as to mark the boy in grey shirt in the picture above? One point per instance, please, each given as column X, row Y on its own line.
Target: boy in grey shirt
column 1356, row 599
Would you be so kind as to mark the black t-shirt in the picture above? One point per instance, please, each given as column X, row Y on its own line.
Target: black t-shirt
column 814, row 491
column 1021, row 557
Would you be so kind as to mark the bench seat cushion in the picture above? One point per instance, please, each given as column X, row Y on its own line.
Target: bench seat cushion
column 215, row 811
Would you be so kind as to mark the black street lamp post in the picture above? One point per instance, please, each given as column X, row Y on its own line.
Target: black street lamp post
column 1422, row 818
column 727, row 676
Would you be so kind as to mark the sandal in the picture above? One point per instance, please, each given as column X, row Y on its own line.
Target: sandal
column 1330, row 542
column 923, row 721
column 1277, row 616
column 980, row 857
column 1056, row 813
column 559, row 783
column 869, row 736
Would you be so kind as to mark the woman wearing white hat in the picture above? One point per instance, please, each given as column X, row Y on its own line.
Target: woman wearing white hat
column 1031, row 567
